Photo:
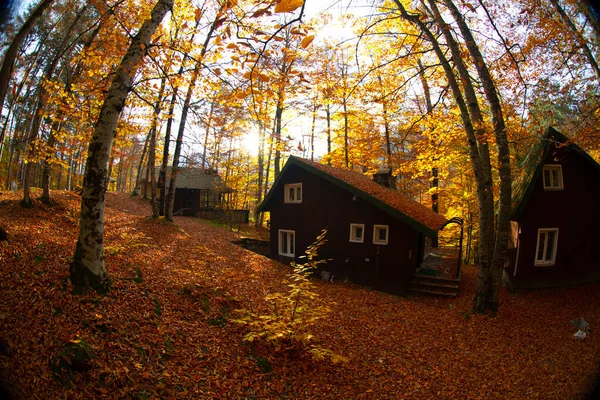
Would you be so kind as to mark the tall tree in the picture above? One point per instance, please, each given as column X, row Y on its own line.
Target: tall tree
column 11, row 52
column 88, row 269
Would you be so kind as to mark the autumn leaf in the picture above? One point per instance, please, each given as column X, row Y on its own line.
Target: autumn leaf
column 307, row 41
column 288, row 5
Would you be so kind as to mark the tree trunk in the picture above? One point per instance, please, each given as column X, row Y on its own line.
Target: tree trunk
column 152, row 149
column 487, row 292
column 88, row 269
column 11, row 52
column 277, row 135
column 261, row 173
column 580, row 39
column 434, row 171
column 473, row 122
column 328, row 114
column 184, row 112
column 162, row 176
column 136, row 188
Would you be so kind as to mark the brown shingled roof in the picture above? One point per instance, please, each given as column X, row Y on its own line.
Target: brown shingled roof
column 389, row 200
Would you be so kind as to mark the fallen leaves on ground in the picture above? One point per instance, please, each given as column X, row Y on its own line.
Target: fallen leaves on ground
column 163, row 331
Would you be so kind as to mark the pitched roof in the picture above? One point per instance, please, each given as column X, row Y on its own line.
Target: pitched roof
column 390, row 201
column 533, row 163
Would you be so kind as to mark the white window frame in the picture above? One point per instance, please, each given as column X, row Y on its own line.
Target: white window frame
column 542, row 239
column 297, row 190
column 376, row 229
column 547, row 169
column 291, row 239
column 353, row 237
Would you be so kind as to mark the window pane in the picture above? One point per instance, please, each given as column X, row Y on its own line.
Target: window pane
column 292, row 240
column 382, row 235
column 359, row 232
column 299, row 194
column 555, row 181
column 291, row 194
column 546, row 178
column 550, row 246
column 284, row 244
column 542, row 243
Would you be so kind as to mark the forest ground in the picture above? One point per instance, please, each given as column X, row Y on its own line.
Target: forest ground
column 163, row 330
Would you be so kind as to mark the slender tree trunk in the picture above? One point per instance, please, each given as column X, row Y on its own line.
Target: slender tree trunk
column 88, row 269
column 434, row 171
column 268, row 169
column 11, row 52
column 206, row 133
column 312, row 128
column 487, row 291
column 469, row 112
column 328, row 115
column 138, row 182
column 261, row 172
column 162, row 176
column 184, row 112
column 277, row 138
column 580, row 39
column 152, row 148
column 346, row 158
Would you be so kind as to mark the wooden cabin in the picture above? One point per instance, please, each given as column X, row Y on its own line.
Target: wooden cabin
column 202, row 193
column 555, row 217
column 375, row 235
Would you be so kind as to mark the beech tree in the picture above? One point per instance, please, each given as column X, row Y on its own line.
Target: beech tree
column 88, row 269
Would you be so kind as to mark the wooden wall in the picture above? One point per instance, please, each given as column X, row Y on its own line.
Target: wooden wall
column 326, row 206
column 575, row 211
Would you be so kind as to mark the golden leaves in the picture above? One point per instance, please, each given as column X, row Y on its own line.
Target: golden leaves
column 307, row 41
column 288, row 5
column 444, row 350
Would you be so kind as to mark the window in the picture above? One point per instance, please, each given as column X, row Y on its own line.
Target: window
column 357, row 233
column 287, row 243
column 553, row 177
column 380, row 234
column 547, row 240
column 293, row 193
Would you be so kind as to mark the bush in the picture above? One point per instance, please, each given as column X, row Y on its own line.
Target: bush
column 295, row 311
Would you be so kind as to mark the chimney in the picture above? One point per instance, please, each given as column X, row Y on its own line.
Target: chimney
column 384, row 177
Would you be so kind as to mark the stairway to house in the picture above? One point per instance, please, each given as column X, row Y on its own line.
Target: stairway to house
column 434, row 285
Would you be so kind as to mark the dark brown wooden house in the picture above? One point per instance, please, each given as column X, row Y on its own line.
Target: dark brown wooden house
column 556, row 217
column 376, row 236
column 202, row 193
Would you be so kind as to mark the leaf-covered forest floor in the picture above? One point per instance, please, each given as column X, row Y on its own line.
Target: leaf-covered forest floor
column 163, row 331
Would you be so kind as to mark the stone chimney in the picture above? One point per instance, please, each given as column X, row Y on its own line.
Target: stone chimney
column 384, row 177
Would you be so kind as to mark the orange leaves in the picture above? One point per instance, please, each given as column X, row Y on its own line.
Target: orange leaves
column 288, row 5
column 307, row 41
column 421, row 347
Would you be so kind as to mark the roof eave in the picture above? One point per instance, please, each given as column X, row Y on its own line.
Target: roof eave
column 359, row 193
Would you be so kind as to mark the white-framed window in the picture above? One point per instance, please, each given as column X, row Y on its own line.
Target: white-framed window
column 293, row 193
column 553, row 179
column 287, row 243
column 380, row 234
column 547, row 240
column 357, row 233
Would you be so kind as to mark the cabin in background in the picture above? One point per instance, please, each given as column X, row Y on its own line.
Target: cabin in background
column 202, row 193
column 375, row 235
column 556, row 217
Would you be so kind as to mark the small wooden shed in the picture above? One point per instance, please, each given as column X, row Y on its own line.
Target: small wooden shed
column 196, row 189
column 376, row 236
column 556, row 218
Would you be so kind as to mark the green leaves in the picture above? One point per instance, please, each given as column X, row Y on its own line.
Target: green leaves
column 294, row 311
